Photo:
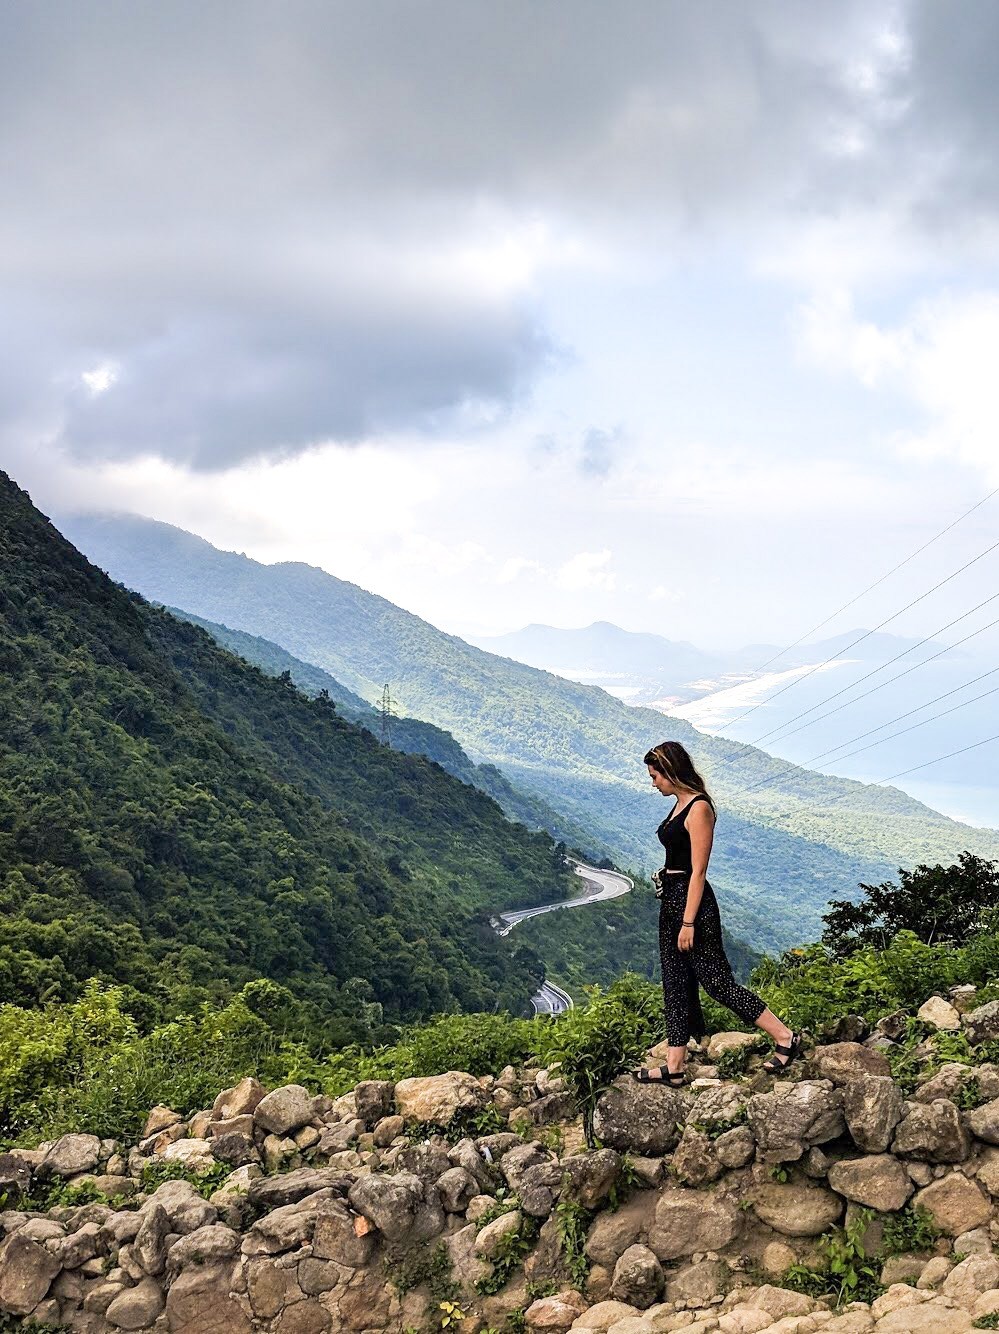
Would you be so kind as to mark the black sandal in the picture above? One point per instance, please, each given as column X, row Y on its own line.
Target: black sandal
column 674, row 1078
column 792, row 1051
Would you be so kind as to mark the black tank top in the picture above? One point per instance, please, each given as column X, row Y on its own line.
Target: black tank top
column 672, row 834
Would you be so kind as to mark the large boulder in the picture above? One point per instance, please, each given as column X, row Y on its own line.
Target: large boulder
column 640, row 1118
column 843, row 1061
column 138, row 1307
column 287, row 1228
column 794, row 1117
column 638, row 1277
column 872, row 1106
column 588, row 1178
column 438, row 1099
column 241, row 1100
column 719, row 1043
column 933, row 1132
column 939, row 1014
column 984, row 1121
column 26, row 1271
column 879, row 1181
column 200, row 1302
column 796, row 1210
column 390, row 1202
column 955, row 1204
column 693, row 1220
column 982, row 1024
column 69, row 1156
column 555, row 1313
column 284, row 1110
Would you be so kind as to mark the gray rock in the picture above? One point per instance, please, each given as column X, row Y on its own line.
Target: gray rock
column 843, row 1061
column 69, row 1156
column 373, row 1100
column 136, row 1308
column 694, row 1159
column 589, row 1177
column 872, row 1106
column 456, row 1188
column 15, row 1178
column 240, row 1100
column 26, row 1270
column 693, row 1220
column 235, row 1148
column 289, row 1187
column 735, row 1148
column 207, row 1245
column 390, row 1202
column 287, row 1228
column 640, row 1118
column 932, row 1131
column 337, row 1238
column 82, row 1246
column 984, row 1122
column 796, row 1210
column 149, row 1246
column 698, row 1283
column 489, row 1239
column 284, row 1110
column 956, row 1204
column 638, row 1277
column 878, row 1181
column 465, row 1154
column 185, row 1208
column 428, row 1160
column 793, row 1117
column 982, row 1024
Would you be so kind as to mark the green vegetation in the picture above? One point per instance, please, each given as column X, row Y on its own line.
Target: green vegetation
column 851, row 972
column 910, row 1229
column 177, row 823
column 512, row 1248
column 596, row 1044
column 846, row 1272
column 572, row 1222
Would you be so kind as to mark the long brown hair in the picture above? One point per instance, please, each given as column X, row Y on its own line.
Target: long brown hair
column 673, row 762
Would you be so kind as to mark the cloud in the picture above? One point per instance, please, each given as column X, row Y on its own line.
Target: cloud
column 288, row 224
column 587, row 569
column 940, row 356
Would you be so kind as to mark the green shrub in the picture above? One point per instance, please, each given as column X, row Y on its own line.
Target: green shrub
column 846, row 1272
column 206, row 1182
column 511, row 1251
column 596, row 1043
column 572, row 1221
column 909, row 1229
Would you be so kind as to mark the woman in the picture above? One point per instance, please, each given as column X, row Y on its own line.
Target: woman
column 690, row 939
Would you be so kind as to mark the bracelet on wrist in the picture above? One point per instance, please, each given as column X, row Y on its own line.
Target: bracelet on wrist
column 689, row 924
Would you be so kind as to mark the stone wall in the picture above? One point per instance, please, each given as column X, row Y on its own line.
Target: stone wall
column 365, row 1213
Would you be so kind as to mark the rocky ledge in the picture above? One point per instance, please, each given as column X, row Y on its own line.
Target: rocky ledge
column 738, row 1205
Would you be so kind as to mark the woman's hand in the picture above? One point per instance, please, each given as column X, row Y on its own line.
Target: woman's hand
column 685, row 940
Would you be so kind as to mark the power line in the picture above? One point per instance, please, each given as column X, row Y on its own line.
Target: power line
column 870, row 587
column 830, row 801
column 867, row 633
column 932, row 718
column 949, row 648
column 898, row 717
column 897, row 677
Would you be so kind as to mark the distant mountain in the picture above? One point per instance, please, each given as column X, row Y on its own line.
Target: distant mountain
column 601, row 648
column 805, row 837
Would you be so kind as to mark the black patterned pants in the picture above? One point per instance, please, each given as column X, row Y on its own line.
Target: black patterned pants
column 705, row 964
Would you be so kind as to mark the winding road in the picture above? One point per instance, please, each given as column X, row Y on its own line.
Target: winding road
column 600, row 885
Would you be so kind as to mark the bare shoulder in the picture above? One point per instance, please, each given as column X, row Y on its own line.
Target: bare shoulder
column 701, row 815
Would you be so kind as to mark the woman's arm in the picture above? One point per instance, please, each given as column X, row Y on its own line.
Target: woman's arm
column 701, row 828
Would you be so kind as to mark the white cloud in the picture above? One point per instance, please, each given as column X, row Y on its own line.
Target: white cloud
column 587, row 569
column 941, row 357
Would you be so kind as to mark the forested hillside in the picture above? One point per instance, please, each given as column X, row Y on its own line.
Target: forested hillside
column 410, row 735
column 805, row 838
column 176, row 821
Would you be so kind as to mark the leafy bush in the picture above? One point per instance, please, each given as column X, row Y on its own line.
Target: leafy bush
column 910, row 1229
column 846, row 1272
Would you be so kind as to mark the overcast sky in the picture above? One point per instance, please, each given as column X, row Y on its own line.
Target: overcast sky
column 681, row 316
